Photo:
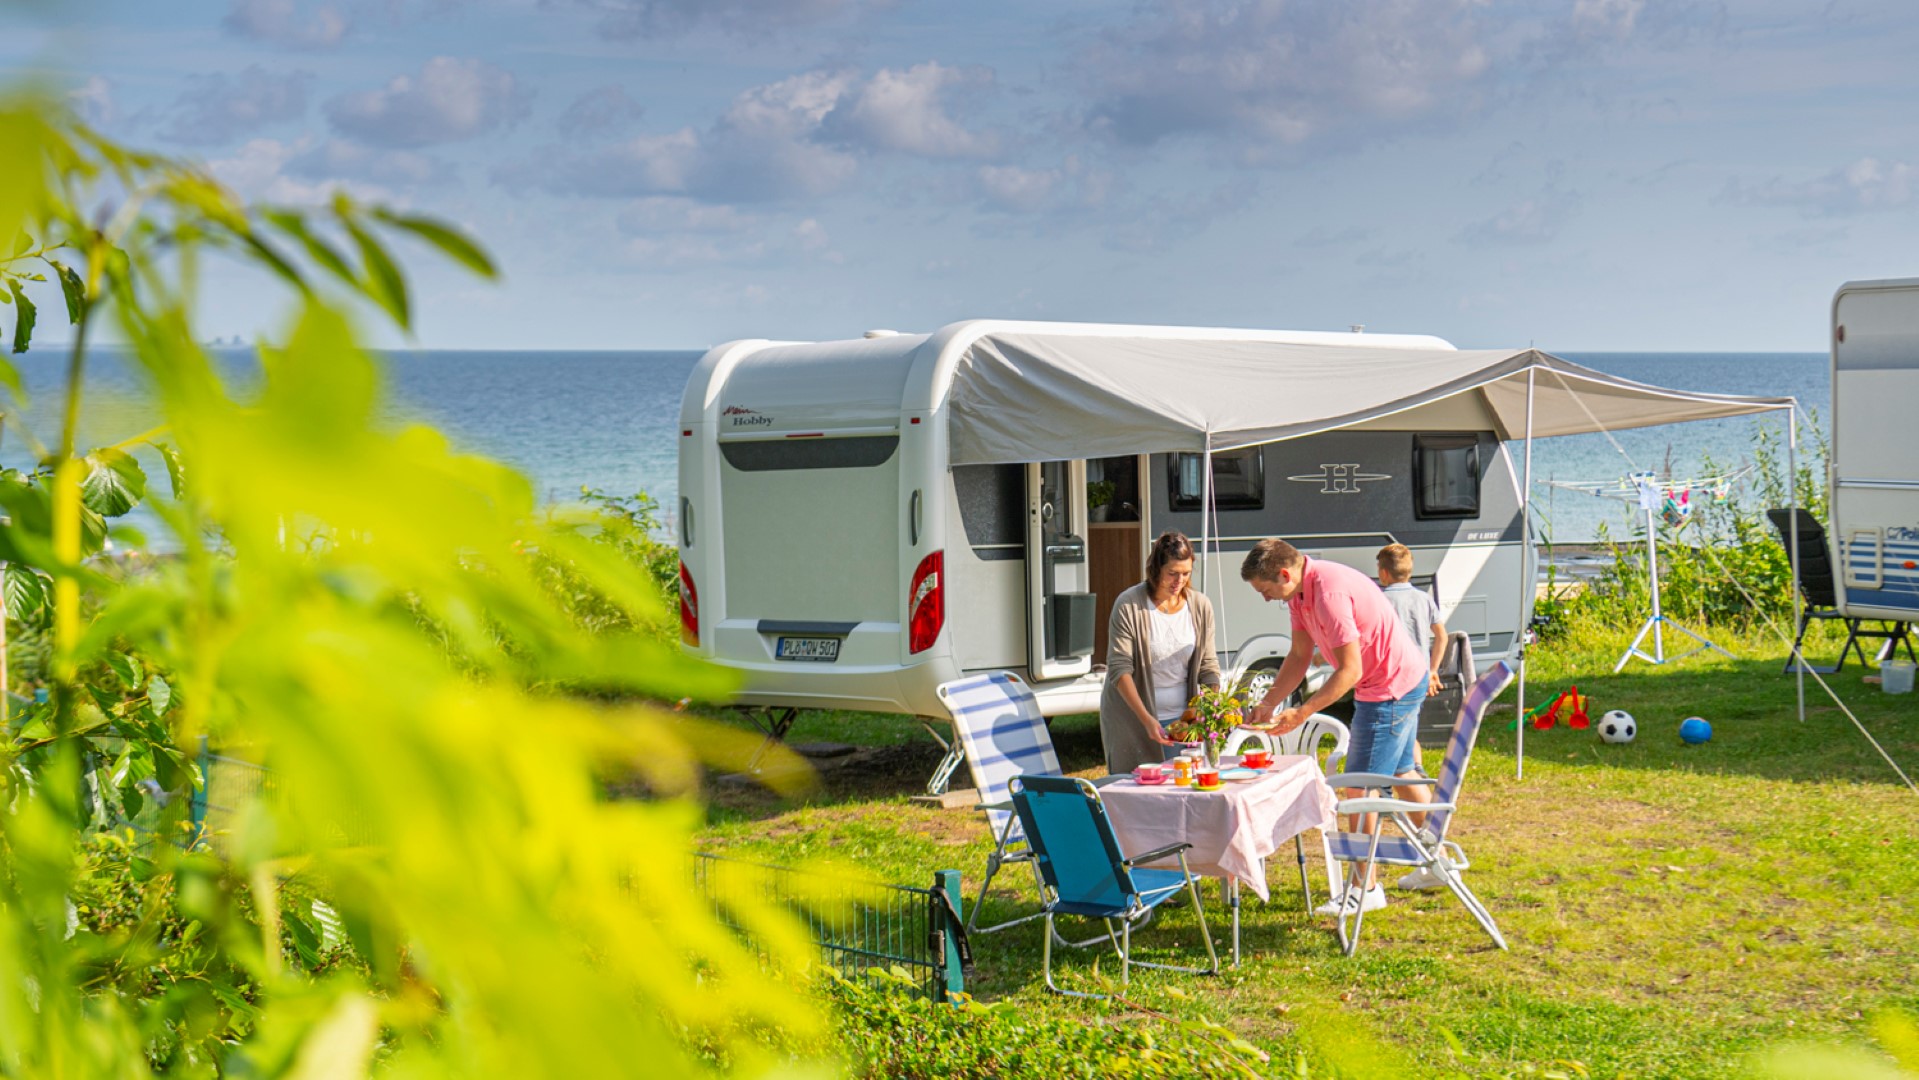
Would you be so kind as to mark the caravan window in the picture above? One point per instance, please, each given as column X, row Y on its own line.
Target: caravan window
column 1446, row 476
column 771, row 455
column 1239, row 479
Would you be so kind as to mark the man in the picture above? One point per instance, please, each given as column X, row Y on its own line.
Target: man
column 1340, row 612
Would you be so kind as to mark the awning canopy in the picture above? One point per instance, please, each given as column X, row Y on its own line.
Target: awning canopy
column 1046, row 397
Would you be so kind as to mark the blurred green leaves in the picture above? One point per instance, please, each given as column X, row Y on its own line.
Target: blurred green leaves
column 372, row 619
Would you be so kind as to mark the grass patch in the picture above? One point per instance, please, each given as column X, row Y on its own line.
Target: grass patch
column 1672, row 910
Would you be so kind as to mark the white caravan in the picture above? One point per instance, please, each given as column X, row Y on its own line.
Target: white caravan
column 1874, row 464
column 863, row 520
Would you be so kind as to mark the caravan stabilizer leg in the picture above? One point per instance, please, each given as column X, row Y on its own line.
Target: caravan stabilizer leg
column 955, row 753
column 775, row 723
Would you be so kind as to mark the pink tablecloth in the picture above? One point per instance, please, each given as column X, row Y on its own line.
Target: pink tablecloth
column 1232, row 830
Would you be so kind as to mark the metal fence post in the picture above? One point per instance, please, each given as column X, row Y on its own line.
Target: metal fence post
column 197, row 806
column 945, row 908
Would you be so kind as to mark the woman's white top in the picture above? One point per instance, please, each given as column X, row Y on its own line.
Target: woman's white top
column 1171, row 648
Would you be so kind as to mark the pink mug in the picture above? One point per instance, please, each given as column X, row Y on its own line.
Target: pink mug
column 1150, row 774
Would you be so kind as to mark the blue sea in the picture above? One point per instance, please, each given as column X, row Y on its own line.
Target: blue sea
column 608, row 420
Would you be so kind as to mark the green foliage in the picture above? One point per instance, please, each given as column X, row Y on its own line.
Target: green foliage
column 488, row 911
column 1724, row 568
column 884, row 1029
column 628, row 528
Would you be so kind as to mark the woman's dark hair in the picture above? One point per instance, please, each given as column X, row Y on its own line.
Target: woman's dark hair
column 1171, row 547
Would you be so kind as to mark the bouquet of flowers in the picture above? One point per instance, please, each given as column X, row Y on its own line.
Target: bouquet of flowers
column 1214, row 712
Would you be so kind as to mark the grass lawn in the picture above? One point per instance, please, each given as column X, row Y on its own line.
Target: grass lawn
column 1670, row 909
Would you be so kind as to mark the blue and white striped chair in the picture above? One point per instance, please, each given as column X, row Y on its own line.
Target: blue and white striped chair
column 1003, row 735
column 1415, row 846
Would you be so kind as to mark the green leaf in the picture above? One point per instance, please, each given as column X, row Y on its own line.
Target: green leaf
column 115, row 482
column 275, row 261
column 24, row 591
column 23, row 318
column 159, row 693
column 176, row 469
column 124, row 666
column 72, row 288
column 453, row 243
column 384, row 283
column 317, row 249
column 22, row 245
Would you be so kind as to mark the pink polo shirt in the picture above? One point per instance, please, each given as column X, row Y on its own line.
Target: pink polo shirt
column 1337, row 604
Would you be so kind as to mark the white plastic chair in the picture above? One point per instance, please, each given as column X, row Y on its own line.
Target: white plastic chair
column 1308, row 739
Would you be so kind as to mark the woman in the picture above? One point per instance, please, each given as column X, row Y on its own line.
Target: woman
column 1159, row 649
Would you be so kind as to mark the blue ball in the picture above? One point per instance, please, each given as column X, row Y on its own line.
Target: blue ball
column 1694, row 731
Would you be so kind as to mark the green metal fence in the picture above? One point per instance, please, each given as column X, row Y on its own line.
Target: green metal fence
column 229, row 785
column 857, row 924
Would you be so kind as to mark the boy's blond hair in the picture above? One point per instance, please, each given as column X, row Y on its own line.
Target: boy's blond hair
column 1396, row 562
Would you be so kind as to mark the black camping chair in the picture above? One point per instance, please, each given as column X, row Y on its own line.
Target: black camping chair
column 1817, row 585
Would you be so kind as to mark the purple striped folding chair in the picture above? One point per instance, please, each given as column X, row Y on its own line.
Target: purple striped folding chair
column 1425, row 847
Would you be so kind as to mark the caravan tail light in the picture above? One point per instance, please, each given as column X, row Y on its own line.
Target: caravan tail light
column 926, row 611
column 689, row 608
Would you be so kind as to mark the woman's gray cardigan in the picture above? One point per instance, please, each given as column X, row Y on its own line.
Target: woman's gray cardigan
column 1128, row 634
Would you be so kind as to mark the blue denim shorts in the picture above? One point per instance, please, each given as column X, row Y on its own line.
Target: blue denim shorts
column 1383, row 734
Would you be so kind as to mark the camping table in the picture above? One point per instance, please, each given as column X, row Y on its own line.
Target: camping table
column 1232, row 830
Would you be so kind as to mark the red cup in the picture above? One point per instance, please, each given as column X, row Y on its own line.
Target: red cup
column 1208, row 777
column 1256, row 759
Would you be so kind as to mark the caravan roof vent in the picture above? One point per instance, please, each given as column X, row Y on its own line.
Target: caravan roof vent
column 1358, row 327
column 882, row 333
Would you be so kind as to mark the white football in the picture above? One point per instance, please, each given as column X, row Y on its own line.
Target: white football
column 1617, row 726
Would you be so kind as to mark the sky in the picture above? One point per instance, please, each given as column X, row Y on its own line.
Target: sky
column 1579, row 175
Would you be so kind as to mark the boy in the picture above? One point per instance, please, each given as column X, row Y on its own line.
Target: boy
column 1420, row 614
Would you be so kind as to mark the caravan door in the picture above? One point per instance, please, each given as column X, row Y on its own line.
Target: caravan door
column 1059, row 607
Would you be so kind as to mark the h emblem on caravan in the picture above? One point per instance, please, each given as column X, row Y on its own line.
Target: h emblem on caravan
column 1338, row 479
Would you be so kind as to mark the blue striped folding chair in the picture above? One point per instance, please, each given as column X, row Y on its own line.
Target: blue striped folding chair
column 1083, row 872
column 1416, row 846
column 1003, row 735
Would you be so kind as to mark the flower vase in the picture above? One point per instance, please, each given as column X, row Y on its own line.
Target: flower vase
column 1210, row 748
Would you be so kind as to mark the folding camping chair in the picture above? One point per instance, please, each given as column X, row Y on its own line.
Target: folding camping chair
column 1306, row 739
column 1000, row 729
column 1417, row 846
column 1821, row 593
column 1085, row 873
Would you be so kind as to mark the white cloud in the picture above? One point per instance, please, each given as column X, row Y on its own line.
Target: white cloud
column 449, row 100
column 629, row 19
column 1011, row 187
column 1864, row 186
column 218, row 108
column 339, row 159
column 259, row 171
column 800, row 137
column 93, row 100
column 1280, row 73
column 282, row 22
column 1532, row 221
column 602, row 110
column 665, row 232
column 909, row 111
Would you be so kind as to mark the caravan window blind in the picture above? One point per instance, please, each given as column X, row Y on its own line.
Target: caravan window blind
column 1239, row 479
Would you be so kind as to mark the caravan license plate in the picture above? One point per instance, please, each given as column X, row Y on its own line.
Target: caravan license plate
column 823, row 649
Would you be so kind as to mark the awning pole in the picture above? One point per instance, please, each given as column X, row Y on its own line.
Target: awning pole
column 1528, row 578
column 1206, row 515
column 1798, row 655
